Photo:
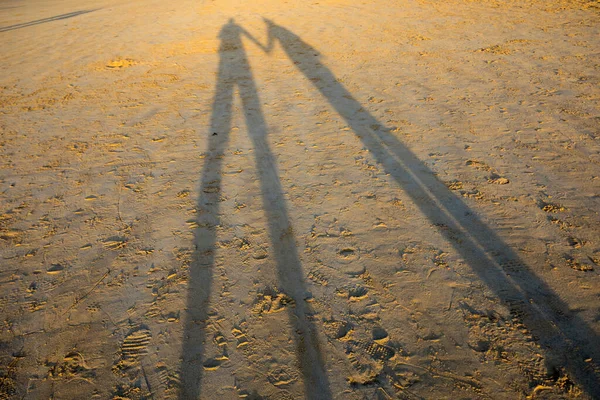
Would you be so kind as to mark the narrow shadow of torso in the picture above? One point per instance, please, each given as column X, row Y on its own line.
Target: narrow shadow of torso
column 235, row 72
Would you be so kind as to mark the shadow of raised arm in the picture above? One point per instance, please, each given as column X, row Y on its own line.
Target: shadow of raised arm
column 267, row 48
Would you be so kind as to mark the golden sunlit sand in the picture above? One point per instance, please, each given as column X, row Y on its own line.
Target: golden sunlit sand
column 285, row 199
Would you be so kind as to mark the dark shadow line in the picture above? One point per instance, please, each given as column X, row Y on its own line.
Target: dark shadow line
column 234, row 71
column 44, row 20
column 289, row 268
column 205, row 236
column 565, row 336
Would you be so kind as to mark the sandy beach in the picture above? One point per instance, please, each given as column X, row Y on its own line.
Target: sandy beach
column 300, row 200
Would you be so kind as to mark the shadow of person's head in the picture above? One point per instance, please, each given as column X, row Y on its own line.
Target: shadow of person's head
column 292, row 44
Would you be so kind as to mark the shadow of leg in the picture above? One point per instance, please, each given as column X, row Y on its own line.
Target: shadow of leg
column 289, row 268
column 203, row 261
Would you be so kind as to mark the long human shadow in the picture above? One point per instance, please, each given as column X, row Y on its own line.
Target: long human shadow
column 234, row 72
column 566, row 338
column 44, row 20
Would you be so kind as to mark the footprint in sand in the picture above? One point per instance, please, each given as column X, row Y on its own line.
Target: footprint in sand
column 166, row 378
column 219, row 339
column 380, row 336
column 580, row 265
column 73, row 364
column 282, row 376
column 121, row 63
column 239, row 333
column 512, row 266
column 348, row 253
column 550, row 207
column 114, row 242
column 318, row 277
column 377, row 351
column 358, row 293
column 340, row 330
column 135, row 345
column 497, row 179
column 347, row 258
column 55, row 269
column 214, row 363
column 270, row 300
